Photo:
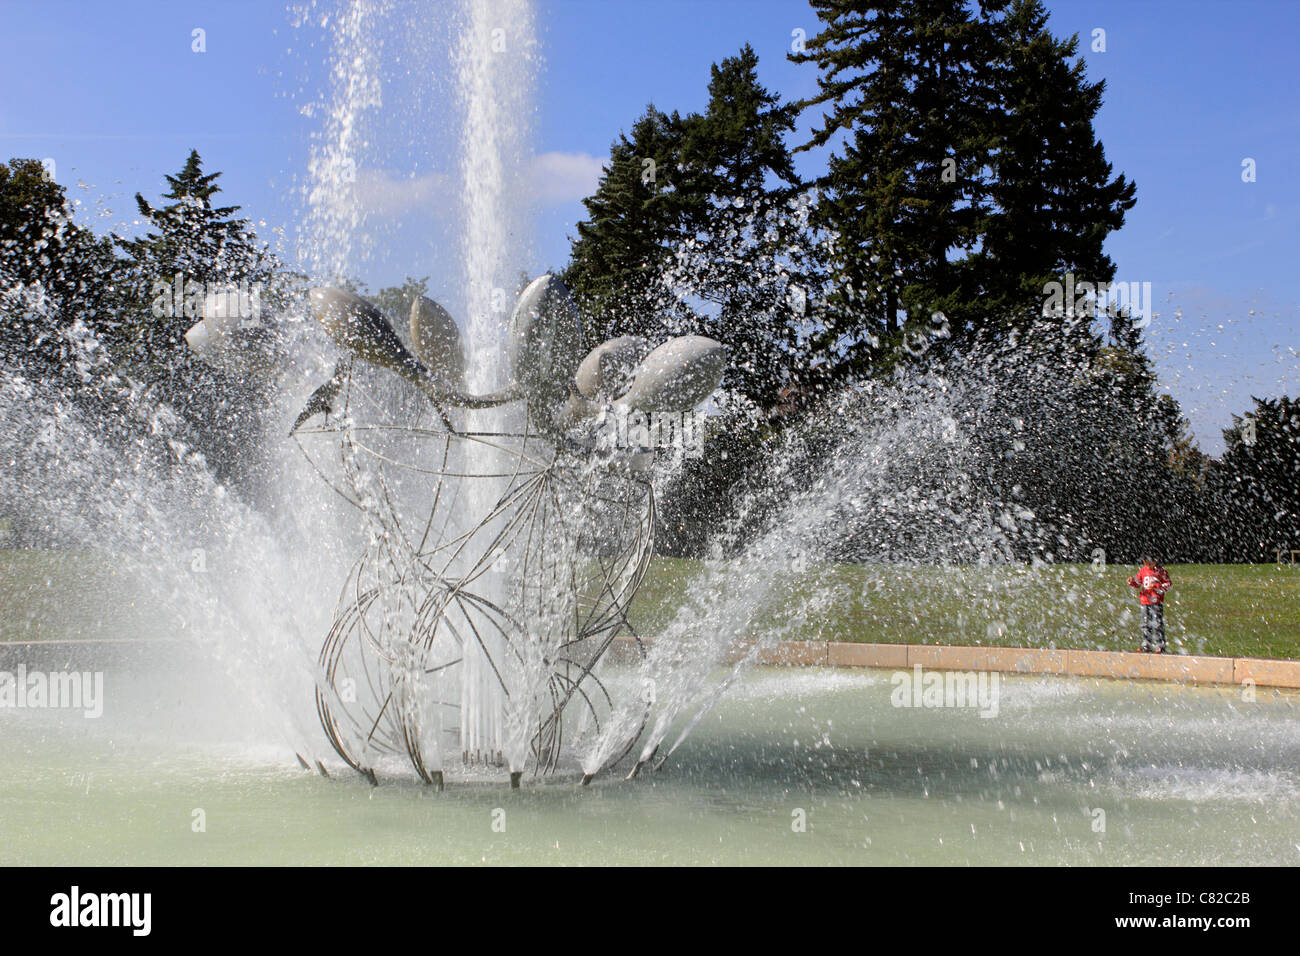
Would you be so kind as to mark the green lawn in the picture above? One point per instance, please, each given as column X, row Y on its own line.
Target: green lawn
column 63, row 595
column 1228, row 610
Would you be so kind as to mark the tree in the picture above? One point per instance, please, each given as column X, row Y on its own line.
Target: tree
column 192, row 248
column 197, row 244
column 635, row 218
column 746, row 239
column 969, row 173
column 1259, row 480
column 1053, row 197
column 396, row 300
column 903, row 193
column 696, row 225
column 59, row 281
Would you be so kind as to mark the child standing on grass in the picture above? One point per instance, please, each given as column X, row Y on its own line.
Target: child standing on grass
column 1152, row 581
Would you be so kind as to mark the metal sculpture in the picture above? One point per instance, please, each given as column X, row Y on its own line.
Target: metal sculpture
column 499, row 563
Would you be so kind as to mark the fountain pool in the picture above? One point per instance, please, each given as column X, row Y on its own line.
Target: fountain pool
column 793, row 767
column 192, row 761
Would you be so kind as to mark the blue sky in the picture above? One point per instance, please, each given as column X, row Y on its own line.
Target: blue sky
column 115, row 96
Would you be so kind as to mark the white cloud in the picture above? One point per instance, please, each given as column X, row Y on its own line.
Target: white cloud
column 551, row 179
column 564, row 177
column 379, row 192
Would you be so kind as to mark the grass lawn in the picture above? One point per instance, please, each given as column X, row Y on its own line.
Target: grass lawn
column 64, row 595
column 1225, row 610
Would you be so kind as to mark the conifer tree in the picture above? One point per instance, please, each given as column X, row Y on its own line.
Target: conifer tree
column 901, row 194
column 198, row 241
column 192, row 247
column 689, row 230
column 969, row 173
column 58, row 280
column 745, row 244
column 1259, row 480
column 1053, row 196
column 635, row 219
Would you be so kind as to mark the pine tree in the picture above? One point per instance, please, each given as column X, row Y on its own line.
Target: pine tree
column 59, row 281
column 745, row 242
column 1259, row 480
column 901, row 195
column 695, row 227
column 970, row 174
column 201, row 243
column 635, row 219
column 396, row 300
column 1054, row 199
column 739, row 141
column 194, row 246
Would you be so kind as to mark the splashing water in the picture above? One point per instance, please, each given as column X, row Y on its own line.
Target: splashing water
column 494, row 71
column 335, row 213
column 260, row 605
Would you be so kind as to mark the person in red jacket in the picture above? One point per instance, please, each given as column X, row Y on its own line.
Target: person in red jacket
column 1152, row 581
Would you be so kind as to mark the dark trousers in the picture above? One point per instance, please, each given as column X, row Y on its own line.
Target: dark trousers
column 1153, row 627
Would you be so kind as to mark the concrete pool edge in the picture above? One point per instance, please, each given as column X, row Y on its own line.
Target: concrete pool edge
column 1183, row 668
column 1194, row 669
column 1061, row 662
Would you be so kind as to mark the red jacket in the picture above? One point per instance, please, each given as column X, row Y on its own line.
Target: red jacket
column 1152, row 582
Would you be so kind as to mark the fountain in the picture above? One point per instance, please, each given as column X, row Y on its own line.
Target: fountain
column 454, row 543
column 485, row 626
column 501, row 549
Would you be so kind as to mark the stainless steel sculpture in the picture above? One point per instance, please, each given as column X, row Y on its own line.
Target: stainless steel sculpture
column 499, row 563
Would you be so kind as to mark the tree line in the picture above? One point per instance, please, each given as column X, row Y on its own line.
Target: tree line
column 962, row 177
